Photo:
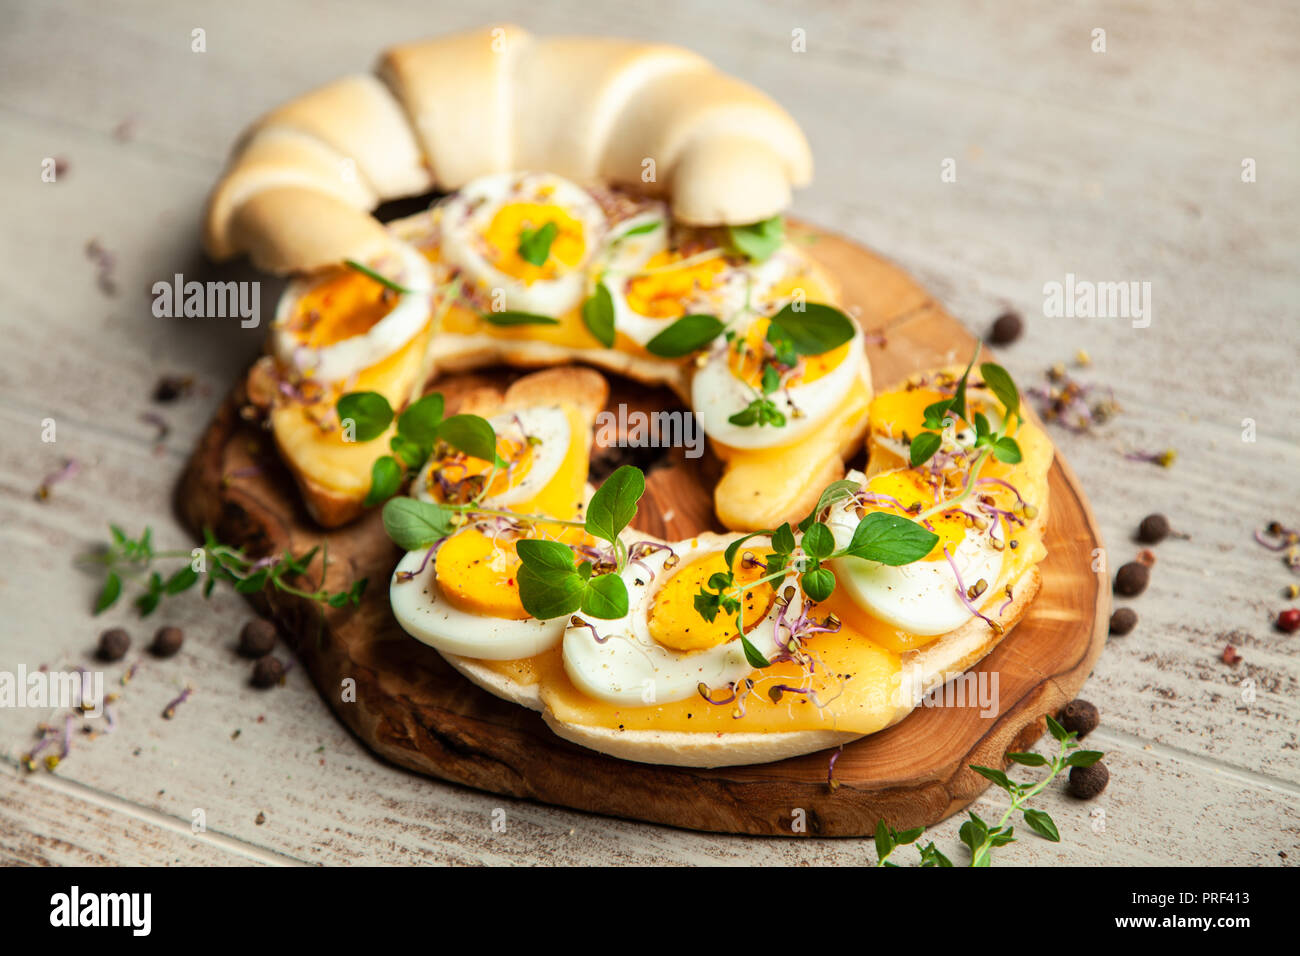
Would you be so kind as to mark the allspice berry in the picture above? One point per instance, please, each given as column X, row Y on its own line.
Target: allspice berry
column 113, row 644
column 1131, row 580
column 267, row 672
column 1153, row 529
column 1087, row 782
column 1123, row 621
column 1006, row 328
column 166, row 642
column 257, row 639
column 1080, row 717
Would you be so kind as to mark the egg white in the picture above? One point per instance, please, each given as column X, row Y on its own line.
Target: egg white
column 617, row 669
column 716, row 395
column 424, row 612
column 351, row 356
column 548, row 425
column 921, row 598
column 464, row 219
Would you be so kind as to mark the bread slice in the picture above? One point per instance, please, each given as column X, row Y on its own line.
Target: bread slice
column 923, row 671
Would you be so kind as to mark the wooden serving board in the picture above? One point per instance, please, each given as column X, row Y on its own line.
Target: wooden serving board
column 413, row 709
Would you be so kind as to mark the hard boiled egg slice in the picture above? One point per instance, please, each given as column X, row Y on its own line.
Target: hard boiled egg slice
column 545, row 453
column 464, row 599
column 663, row 649
column 921, row 598
column 653, row 293
column 331, row 326
column 733, row 377
column 898, row 415
column 485, row 230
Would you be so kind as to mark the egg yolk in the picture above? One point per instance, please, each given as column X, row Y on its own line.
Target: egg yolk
column 664, row 295
column 458, row 477
column 902, row 411
column 343, row 305
column 478, row 574
column 747, row 356
column 908, row 488
column 674, row 622
column 504, row 232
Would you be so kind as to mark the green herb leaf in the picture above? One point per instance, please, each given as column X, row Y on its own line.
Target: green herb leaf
column 1007, row 450
column 753, row 655
column 598, row 315
column 783, row 539
column 997, row 776
column 416, row 525
column 1083, row 758
column 545, row 556
column 471, row 434
column 908, row 836
column 1027, row 759
column 641, row 230
column 835, row 491
column 818, row 541
column 369, row 413
column 109, row 594
column 385, row 479
column 410, row 453
column 182, row 580
column 688, row 334
column 613, row 506
column 884, row 843
column 818, row 584
column 1000, row 384
column 254, row 582
column 512, row 317
column 420, row 421
column 757, row 241
column 372, row 274
column 1055, row 729
column 1042, row 824
column 891, row 539
column 606, row 597
column 923, row 447
column 535, row 244
column 546, row 598
column 810, row 328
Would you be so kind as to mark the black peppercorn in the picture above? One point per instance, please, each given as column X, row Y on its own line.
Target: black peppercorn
column 1080, row 718
column 267, row 672
column 166, row 642
column 1123, row 621
column 1006, row 329
column 113, row 644
column 1153, row 529
column 1131, row 580
column 1087, row 782
column 257, row 639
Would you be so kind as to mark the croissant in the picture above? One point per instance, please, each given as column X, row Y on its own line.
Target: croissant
column 303, row 179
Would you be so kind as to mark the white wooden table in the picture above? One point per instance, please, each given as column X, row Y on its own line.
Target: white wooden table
column 1114, row 166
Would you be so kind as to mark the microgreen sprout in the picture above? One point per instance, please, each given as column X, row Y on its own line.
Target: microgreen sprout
column 980, row 838
column 128, row 559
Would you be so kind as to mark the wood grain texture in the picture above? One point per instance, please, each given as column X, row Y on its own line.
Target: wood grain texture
column 1117, row 166
column 411, row 707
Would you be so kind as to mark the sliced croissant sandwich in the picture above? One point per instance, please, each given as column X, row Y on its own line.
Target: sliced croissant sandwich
column 607, row 202
column 726, row 649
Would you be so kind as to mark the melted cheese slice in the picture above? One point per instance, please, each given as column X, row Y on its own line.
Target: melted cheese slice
column 320, row 452
column 859, row 667
column 783, row 473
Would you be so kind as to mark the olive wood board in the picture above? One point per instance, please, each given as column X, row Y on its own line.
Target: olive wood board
column 415, row 710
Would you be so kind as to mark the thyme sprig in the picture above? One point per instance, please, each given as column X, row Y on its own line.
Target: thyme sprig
column 128, row 559
column 980, row 838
